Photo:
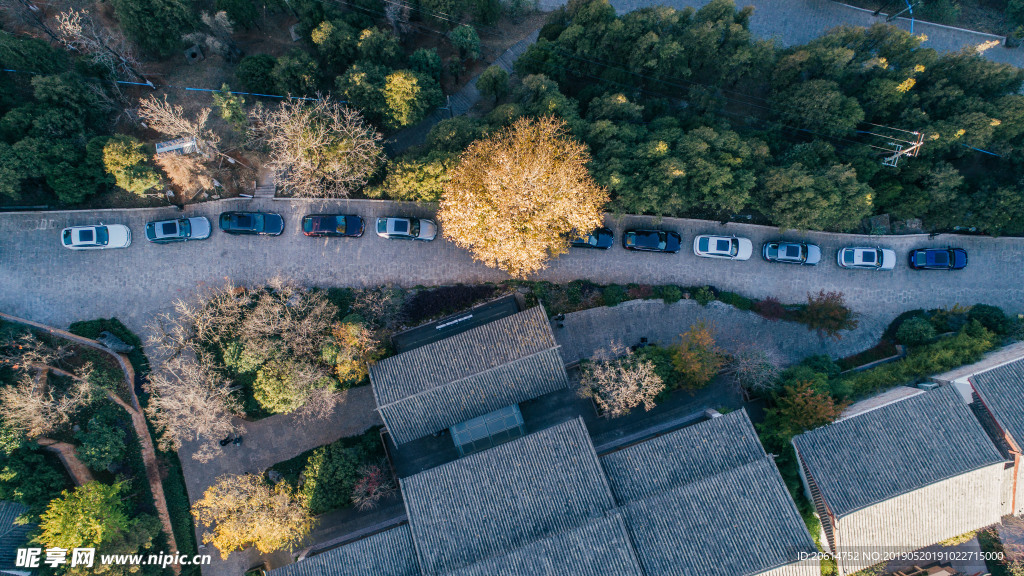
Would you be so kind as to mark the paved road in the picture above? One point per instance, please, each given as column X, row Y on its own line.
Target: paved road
column 791, row 22
column 42, row 281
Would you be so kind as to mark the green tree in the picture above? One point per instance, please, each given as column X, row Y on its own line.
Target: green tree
column 426, row 61
column 409, row 97
column 915, row 331
column 297, row 73
column 831, row 198
column 256, row 73
column 124, row 158
column 363, row 86
column 330, row 474
column 89, row 516
column 28, row 477
column 493, row 82
column 231, row 108
column 380, row 47
column 821, row 106
column 155, row 25
column 416, row 179
column 486, row 12
column 336, row 42
column 465, row 39
column 443, row 13
column 797, row 408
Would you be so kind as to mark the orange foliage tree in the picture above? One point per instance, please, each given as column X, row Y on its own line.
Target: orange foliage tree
column 697, row 358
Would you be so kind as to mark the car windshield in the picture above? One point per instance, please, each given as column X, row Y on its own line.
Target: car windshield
column 382, row 225
column 920, row 258
column 102, row 236
column 67, row 237
column 415, row 228
column 703, row 244
column 338, row 222
column 185, row 227
column 592, row 239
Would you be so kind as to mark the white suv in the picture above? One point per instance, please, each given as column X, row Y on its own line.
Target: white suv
column 96, row 237
column 728, row 247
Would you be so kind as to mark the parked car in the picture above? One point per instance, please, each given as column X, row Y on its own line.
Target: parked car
column 602, row 239
column 96, row 237
column 406, row 229
column 728, row 247
column 263, row 223
column 867, row 258
column 651, row 241
column 345, row 225
column 791, row 252
column 180, row 230
column 938, row 259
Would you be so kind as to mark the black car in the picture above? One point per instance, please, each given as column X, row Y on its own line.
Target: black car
column 264, row 223
column 938, row 259
column 345, row 225
column 602, row 239
column 651, row 240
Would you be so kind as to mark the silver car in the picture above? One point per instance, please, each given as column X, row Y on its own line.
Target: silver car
column 791, row 252
column 867, row 258
column 728, row 247
column 406, row 229
column 180, row 230
column 96, row 237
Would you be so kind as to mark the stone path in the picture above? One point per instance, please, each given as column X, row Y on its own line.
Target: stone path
column 587, row 332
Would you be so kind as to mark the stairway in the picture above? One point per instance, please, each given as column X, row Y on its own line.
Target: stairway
column 265, row 185
column 265, row 191
column 823, row 515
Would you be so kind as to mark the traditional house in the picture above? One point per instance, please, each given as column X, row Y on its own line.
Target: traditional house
column 13, row 535
column 701, row 501
column 901, row 477
column 1000, row 393
column 482, row 370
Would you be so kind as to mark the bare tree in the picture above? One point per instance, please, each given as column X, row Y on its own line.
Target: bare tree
column 189, row 173
column 37, row 408
column 216, row 36
column 320, row 148
column 397, row 15
column 319, row 405
column 27, row 352
column 189, row 403
column 619, row 381
column 107, row 47
column 380, row 307
column 170, row 120
column 755, row 369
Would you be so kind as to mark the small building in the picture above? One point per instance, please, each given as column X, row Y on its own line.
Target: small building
column 901, row 477
column 1000, row 393
column 12, row 536
column 701, row 501
column 470, row 374
column 178, row 146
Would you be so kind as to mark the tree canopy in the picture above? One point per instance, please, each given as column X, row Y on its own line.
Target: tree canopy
column 516, row 197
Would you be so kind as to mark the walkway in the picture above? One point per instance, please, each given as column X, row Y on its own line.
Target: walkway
column 587, row 332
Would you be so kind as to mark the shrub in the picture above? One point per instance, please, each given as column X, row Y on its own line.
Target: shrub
column 696, row 358
column 798, row 407
column 444, row 300
column 124, row 158
column 486, row 12
column 735, row 300
column 915, row 331
column 102, row 441
column 613, row 295
column 1015, row 11
column 296, row 73
column 770, row 309
column 670, row 294
column 890, row 330
column 332, row 471
column 374, row 483
column 639, row 291
column 703, row 295
column 31, row 477
column 991, row 317
column 827, row 313
column 949, row 319
column 454, row 134
column 662, row 359
column 256, row 73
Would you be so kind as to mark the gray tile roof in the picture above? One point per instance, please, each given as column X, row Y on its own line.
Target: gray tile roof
column 12, row 536
column 388, row 553
column 598, row 548
column 706, row 500
column 698, row 451
column 504, row 362
column 506, row 497
column 895, row 449
column 734, row 523
column 1002, row 391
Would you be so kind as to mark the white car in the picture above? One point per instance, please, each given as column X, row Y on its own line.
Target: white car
column 96, row 237
column 406, row 229
column 867, row 258
column 728, row 247
column 180, row 230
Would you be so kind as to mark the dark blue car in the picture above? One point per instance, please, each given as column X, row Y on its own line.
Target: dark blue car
column 651, row 241
column 602, row 238
column 938, row 259
column 345, row 225
column 262, row 223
